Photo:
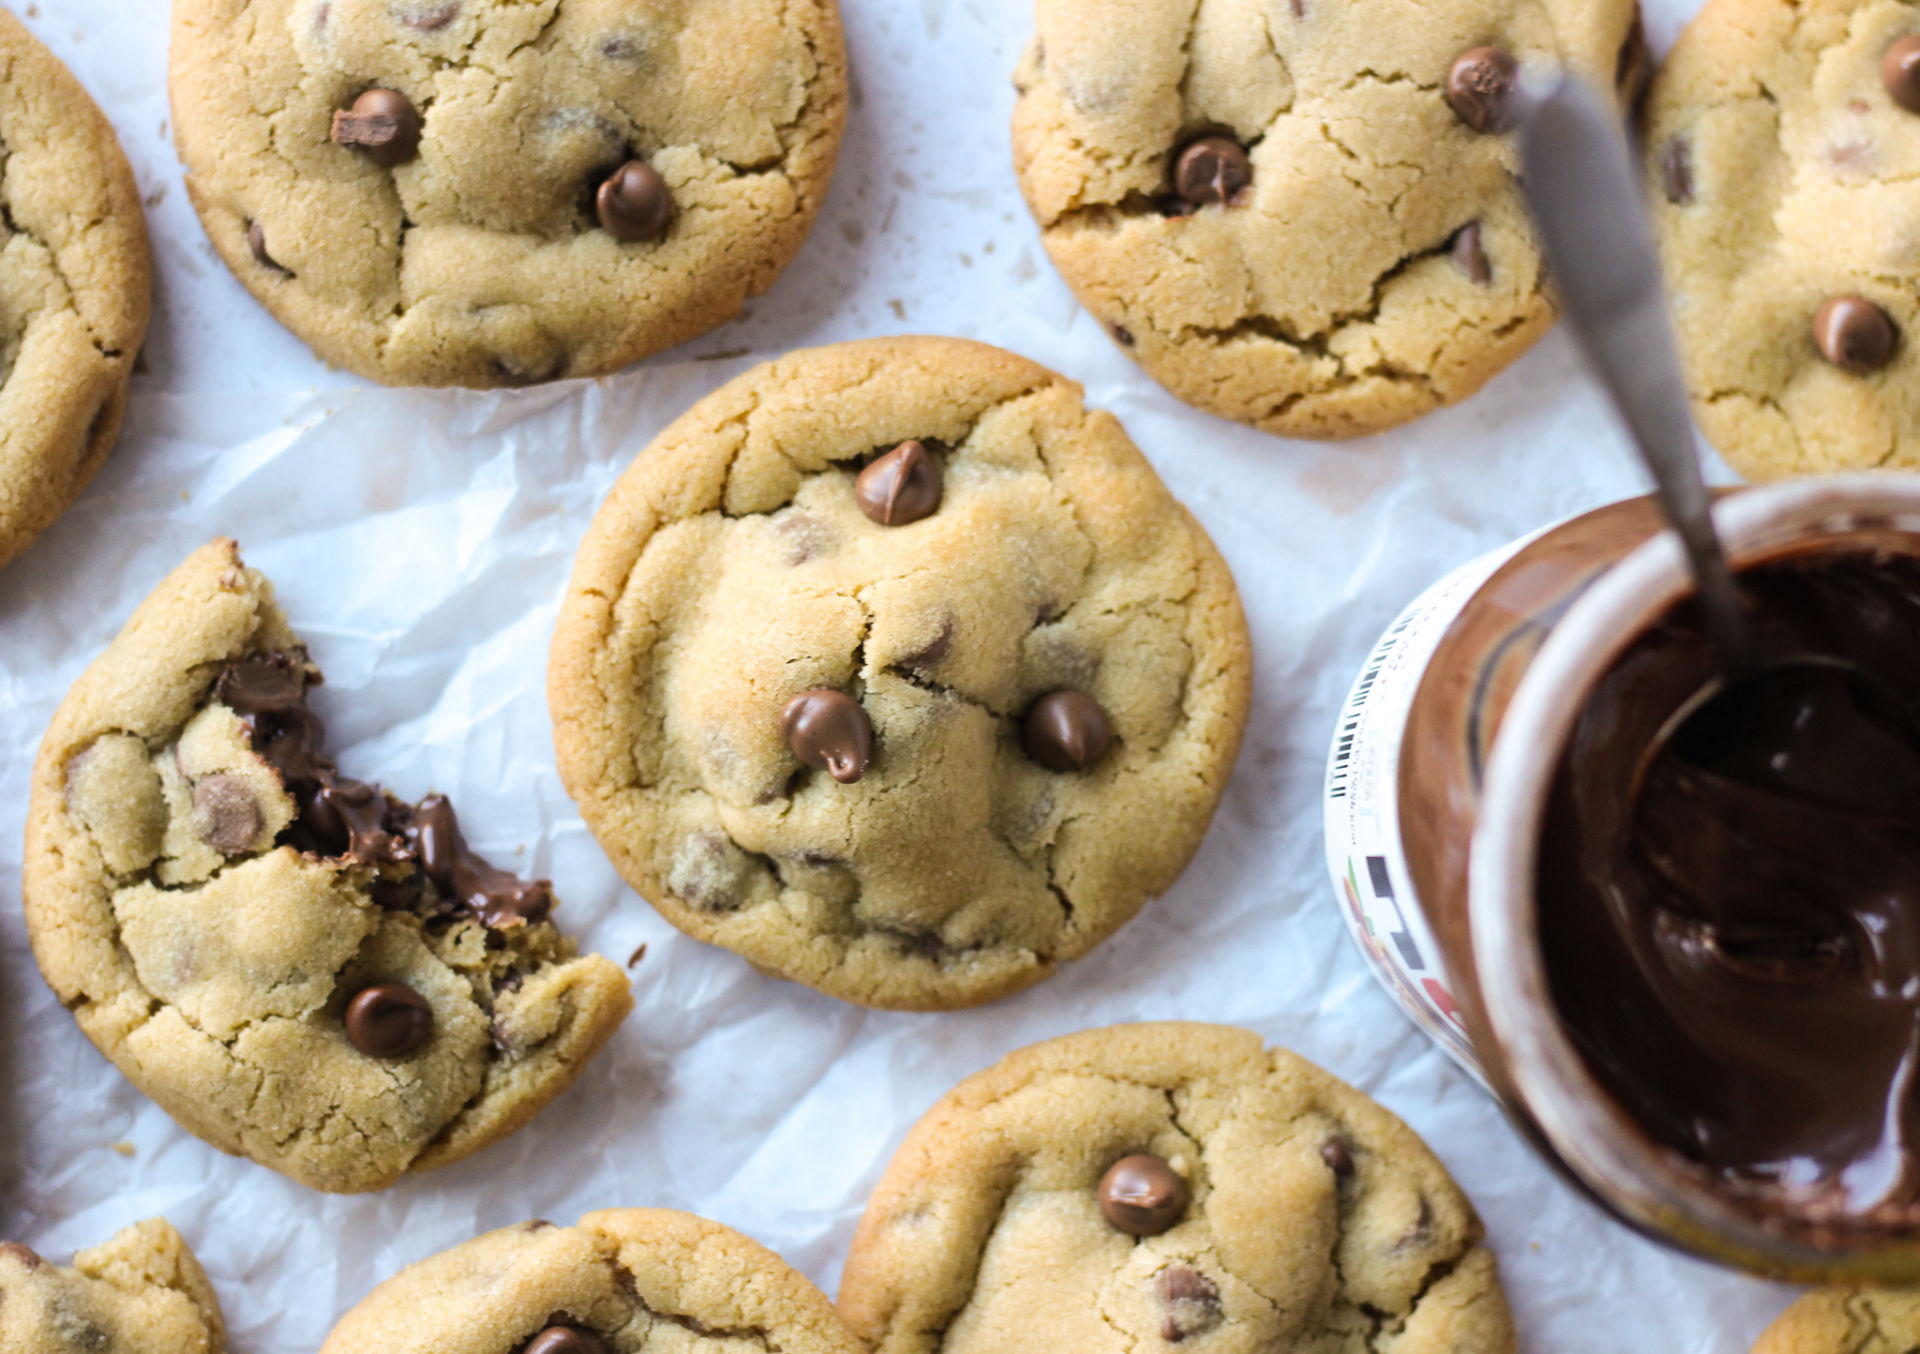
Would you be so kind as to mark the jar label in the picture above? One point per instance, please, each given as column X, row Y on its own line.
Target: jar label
column 1361, row 804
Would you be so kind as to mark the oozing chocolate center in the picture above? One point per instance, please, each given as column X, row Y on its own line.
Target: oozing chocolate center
column 343, row 818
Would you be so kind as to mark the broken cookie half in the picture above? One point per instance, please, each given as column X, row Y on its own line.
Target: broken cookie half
column 140, row 1293
column 298, row 966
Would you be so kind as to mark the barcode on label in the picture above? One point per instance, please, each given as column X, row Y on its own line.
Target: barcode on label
column 1340, row 774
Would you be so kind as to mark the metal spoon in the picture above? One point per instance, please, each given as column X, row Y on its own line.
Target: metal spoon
column 1579, row 181
column 1585, row 198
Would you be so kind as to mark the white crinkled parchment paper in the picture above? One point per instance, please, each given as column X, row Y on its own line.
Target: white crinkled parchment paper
column 421, row 540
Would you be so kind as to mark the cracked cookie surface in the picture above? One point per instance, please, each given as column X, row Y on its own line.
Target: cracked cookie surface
column 1378, row 262
column 1309, row 1217
column 734, row 568
column 1846, row 1321
column 1784, row 174
column 479, row 259
column 140, row 1293
column 623, row 1281
column 213, row 901
column 75, row 287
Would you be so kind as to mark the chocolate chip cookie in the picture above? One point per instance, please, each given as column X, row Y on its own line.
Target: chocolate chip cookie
column 299, row 967
column 1783, row 148
column 623, row 1279
column 1150, row 1185
column 140, row 1293
column 1300, row 214
column 893, row 668
column 1846, row 1321
column 498, row 192
column 75, row 285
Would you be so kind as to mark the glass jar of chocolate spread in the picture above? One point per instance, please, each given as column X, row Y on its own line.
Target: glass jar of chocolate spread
column 1683, row 952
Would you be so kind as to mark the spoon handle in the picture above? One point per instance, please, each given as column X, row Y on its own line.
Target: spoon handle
column 1579, row 181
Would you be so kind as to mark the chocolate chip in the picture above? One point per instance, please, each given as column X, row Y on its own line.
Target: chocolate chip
column 1854, row 334
column 428, row 20
column 929, row 654
column 804, row 537
column 405, row 894
column 13, row 1250
column 565, row 1340
column 634, row 203
column 915, row 940
column 257, row 242
column 226, row 816
column 1338, row 1156
column 1676, row 171
column 1419, row 1234
column 338, row 816
column 1470, row 254
column 902, row 486
column 1192, row 1301
column 1480, row 88
column 382, row 125
column 1181, row 1284
column 388, row 1020
column 829, row 731
column 1122, row 335
column 629, row 1285
column 355, row 819
column 272, row 684
column 709, row 871
column 1855, row 156
column 493, row 896
column 1142, row 1195
column 1214, row 169
column 1900, row 72
column 1066, row 731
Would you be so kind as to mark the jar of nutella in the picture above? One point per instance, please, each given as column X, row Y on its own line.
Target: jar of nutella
column 1679, row 938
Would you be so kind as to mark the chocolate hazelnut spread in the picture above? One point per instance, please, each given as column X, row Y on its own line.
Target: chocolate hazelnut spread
column 1730, row 915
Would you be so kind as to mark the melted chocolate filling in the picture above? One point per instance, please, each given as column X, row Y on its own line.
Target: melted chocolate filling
column 1731, row 918
column 343, row 818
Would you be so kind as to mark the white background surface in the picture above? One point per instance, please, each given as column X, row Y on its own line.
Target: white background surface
column 420, row 542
